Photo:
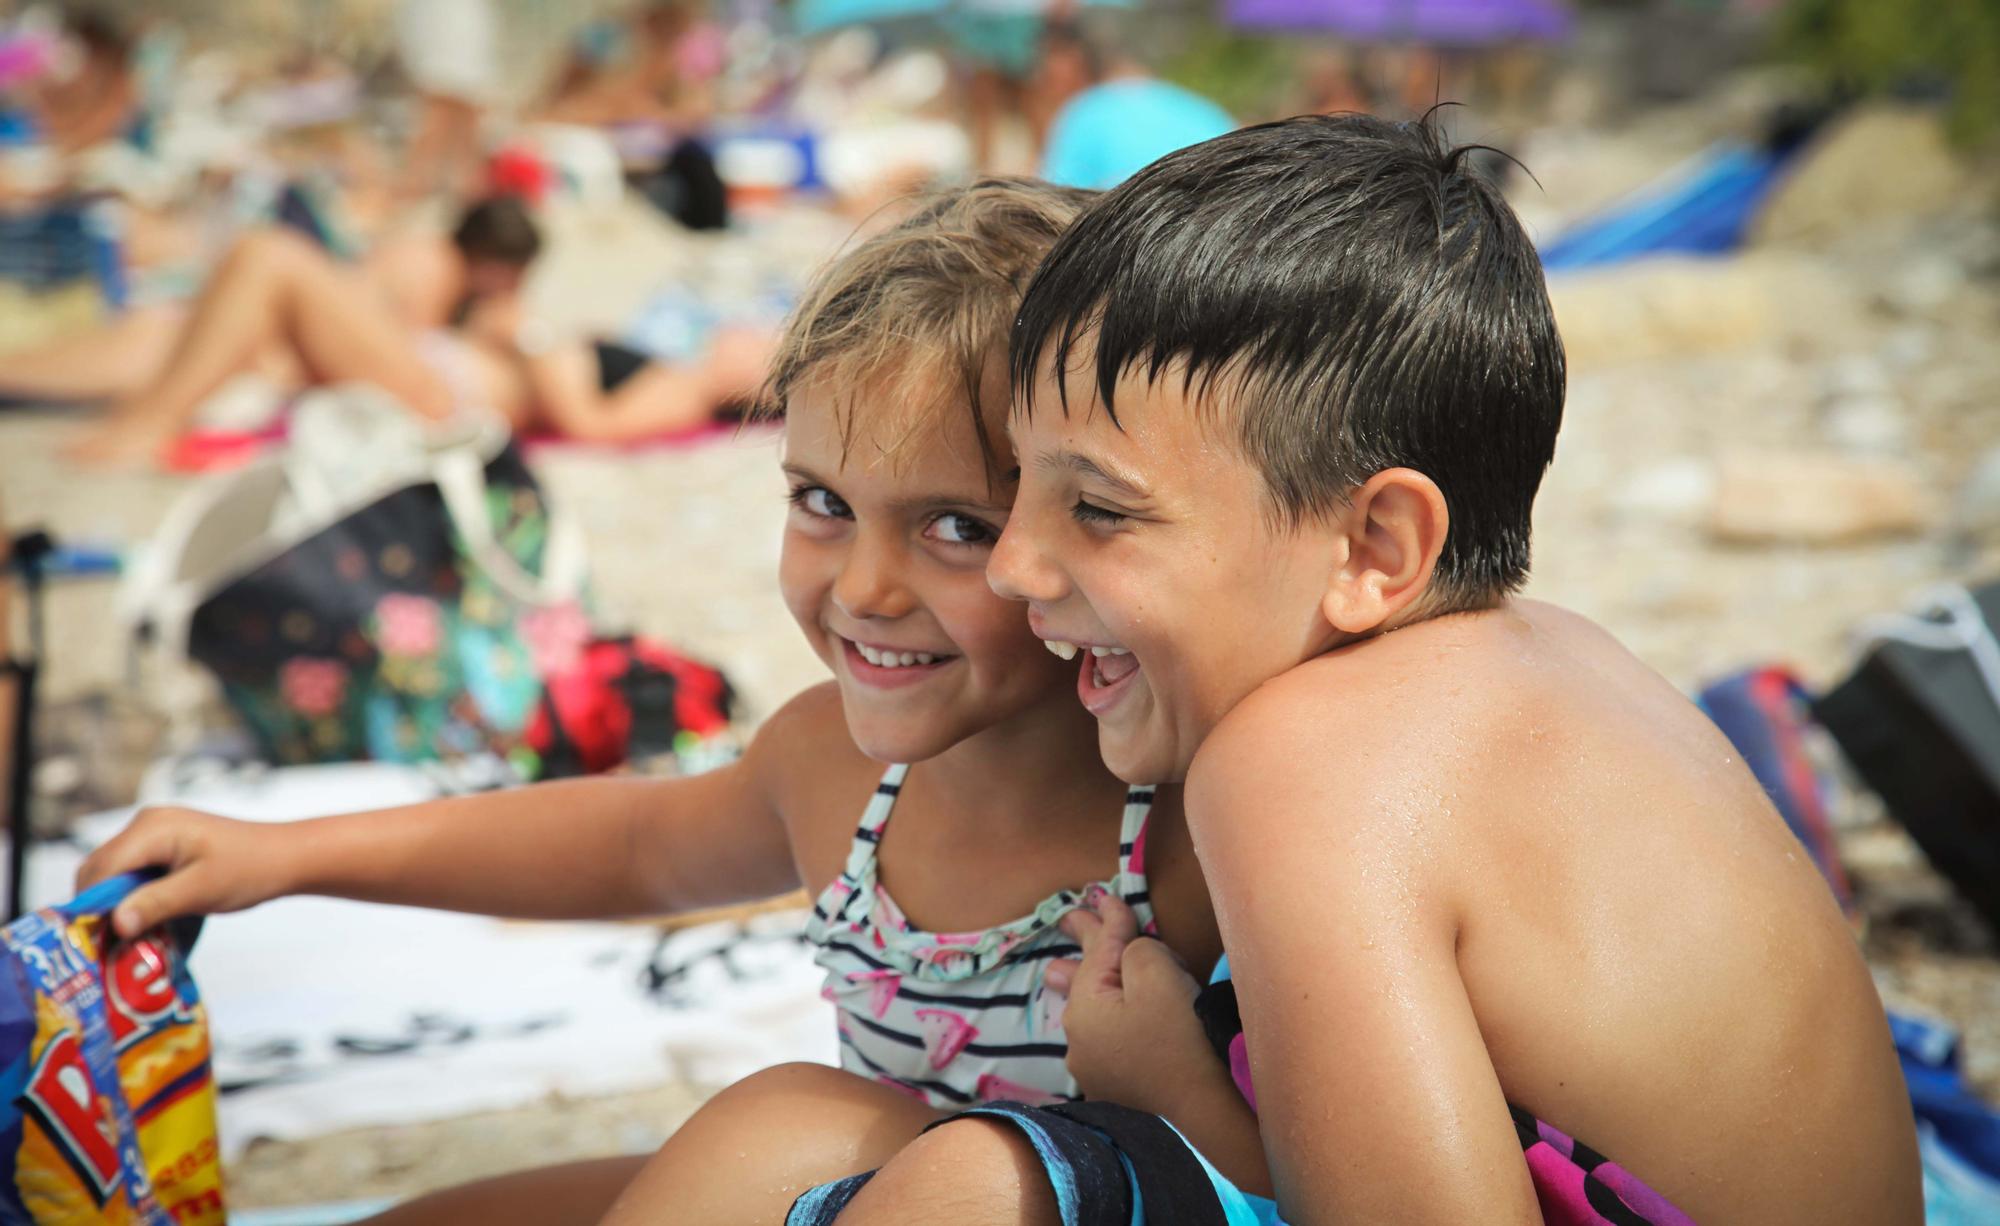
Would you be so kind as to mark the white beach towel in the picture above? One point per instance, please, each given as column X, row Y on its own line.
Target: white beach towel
column 330, row 1015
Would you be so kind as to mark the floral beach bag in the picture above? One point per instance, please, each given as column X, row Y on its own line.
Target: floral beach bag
column 379, row 589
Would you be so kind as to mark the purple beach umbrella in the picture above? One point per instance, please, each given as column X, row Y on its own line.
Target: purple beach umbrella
column 1445, row 23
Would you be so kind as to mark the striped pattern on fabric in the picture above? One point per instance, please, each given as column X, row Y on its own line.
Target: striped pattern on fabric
column 955, row 1018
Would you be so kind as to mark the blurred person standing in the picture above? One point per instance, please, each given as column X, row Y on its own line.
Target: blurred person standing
column 450, row 51
column 995, row 45
column 650, row 86
column 1112, row 116
column 1330, row 84
column 90, row 97
column 681, row 54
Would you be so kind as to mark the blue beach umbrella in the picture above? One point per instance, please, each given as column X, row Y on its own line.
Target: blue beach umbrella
column 816, row 16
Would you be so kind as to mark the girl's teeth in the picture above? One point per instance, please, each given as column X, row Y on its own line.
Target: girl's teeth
column 894, row 659
column 1066, row 651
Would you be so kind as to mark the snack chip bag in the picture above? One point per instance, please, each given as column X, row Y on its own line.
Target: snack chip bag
column 107, row 1112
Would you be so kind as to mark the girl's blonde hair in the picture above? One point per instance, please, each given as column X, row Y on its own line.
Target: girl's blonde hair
column 912, row 317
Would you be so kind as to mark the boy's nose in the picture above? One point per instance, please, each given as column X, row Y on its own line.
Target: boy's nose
column 1018, row 570
column 870, row 584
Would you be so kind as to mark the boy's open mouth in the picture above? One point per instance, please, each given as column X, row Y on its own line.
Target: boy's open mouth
column 1105, row 674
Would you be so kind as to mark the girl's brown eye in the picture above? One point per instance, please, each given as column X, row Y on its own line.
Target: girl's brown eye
column 962, row 530
column 822, row 502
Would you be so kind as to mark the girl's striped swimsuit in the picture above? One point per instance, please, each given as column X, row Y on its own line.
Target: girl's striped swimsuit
column 955, row 1018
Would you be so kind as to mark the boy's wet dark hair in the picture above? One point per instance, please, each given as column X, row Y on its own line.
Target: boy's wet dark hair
column 1358, row 297
column 499, row 230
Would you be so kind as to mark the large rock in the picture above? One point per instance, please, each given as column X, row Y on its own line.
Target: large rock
column 1817, row 499
column 1675, row 306
column 1976, row 510
column 1877, row 163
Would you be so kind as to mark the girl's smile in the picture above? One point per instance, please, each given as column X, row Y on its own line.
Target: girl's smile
column 891, row 668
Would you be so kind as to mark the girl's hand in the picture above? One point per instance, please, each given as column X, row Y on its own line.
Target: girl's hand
column 213, row 864
column 1134, row 1038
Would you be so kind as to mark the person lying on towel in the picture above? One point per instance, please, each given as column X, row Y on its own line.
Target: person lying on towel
column 436, row 323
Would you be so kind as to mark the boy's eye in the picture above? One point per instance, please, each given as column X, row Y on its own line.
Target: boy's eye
column 820, row 501
column 1091, row 513
column 957, row 529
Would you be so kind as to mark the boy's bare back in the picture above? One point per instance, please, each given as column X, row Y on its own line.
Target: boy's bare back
column 1648, row 955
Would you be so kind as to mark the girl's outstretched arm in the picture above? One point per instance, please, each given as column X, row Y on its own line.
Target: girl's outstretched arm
column 575, row 849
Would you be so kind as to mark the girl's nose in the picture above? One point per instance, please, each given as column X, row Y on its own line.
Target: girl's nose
column 870, row 582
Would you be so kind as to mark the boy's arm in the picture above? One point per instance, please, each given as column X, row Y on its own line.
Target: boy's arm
column 1377, row 1097
column 588, row 848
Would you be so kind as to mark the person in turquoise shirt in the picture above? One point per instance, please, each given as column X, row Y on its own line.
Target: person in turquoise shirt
column 1113, row 118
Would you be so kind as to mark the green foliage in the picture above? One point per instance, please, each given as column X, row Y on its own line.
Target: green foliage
column 1250, row 76
column 1877, row 45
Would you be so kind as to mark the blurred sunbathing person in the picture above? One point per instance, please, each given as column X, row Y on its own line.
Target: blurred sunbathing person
column 436, row 323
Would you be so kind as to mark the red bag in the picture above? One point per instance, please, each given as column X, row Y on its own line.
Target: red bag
column 624, row 700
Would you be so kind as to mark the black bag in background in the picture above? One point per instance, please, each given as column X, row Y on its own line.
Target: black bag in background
column 1920, row 721
column 687, row 188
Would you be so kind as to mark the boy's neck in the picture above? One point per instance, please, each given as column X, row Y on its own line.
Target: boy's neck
column 1420, row 614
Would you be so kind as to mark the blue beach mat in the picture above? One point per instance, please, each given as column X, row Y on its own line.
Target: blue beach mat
column 1704, row 207
column 1959, row 1134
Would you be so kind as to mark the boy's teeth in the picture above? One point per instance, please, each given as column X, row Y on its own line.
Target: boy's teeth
column 1065, row 650
column 1109, row 651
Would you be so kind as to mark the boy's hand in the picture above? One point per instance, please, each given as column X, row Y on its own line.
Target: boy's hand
column 213, row 864
column 1133, row 1035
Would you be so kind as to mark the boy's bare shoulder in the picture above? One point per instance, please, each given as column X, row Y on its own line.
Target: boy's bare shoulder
column 1361, row 731
column 1299, row 748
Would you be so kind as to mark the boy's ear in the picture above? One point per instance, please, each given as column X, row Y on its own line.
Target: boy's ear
column 1394, row 528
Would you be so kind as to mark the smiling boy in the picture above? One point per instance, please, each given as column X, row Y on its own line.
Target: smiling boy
column 1488, row 882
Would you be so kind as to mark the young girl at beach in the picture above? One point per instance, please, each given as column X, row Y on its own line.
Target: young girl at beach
column 942, row 797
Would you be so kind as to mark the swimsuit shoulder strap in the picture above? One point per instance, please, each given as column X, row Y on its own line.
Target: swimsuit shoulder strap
column 868, row 835
column 1131, row 883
